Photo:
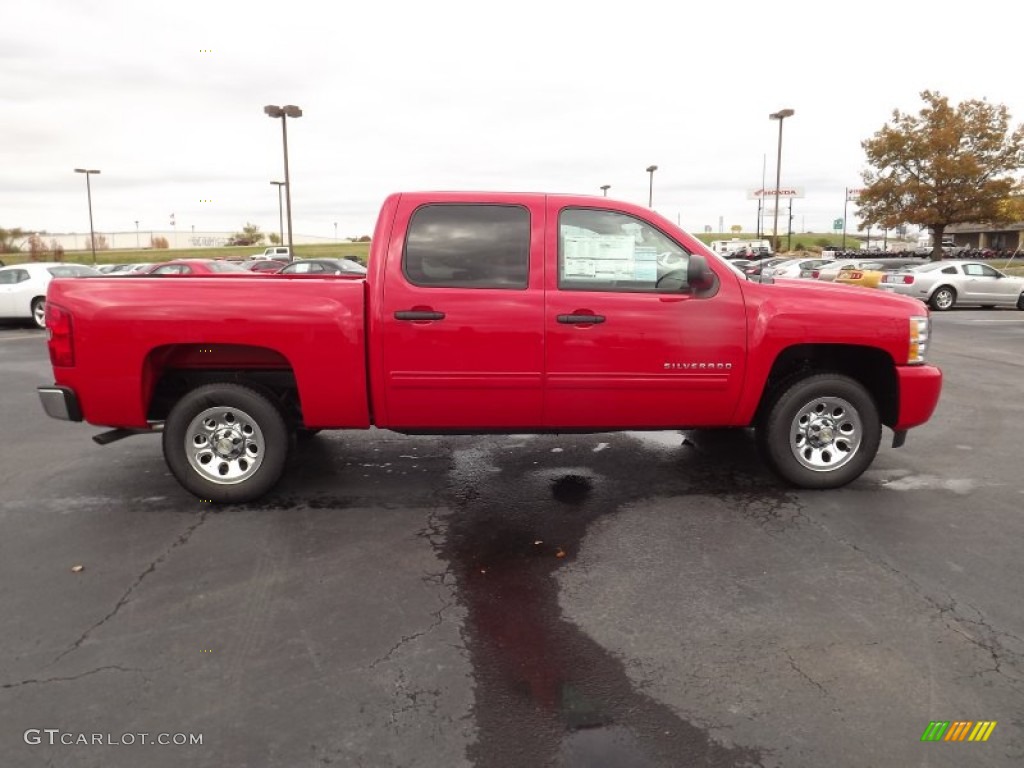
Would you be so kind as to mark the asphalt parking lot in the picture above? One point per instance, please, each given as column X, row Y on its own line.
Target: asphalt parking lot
column 605, row 600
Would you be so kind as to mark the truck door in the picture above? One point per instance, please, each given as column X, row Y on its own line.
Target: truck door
column 627, row 344
column 462, row 315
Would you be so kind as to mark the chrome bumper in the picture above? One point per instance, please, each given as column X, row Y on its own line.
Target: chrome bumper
column 60, row 403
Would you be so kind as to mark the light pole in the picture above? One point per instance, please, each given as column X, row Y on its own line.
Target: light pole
column 605, row 188
column 137, row 234
column 335, row 231
column 650, row 189
column 781, row 115
column 288, row 110
column 88, row 191
column 280, row 214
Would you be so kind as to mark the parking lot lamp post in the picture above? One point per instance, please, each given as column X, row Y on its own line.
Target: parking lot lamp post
column 88, row 192
column 288, row 110
column 335, row 231
column 280, row 214
column 137, row 234
column 650, row 188
column 781, row 115
column 605, row 188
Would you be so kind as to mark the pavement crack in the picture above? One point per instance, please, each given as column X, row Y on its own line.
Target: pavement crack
column 182, row 539
column 958, row 617
column 70, row 678
column 804, row 675
column 437, row 621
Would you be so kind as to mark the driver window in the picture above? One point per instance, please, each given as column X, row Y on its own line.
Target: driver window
column 601, row 250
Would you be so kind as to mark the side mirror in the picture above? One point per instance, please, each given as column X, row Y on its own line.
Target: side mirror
column 698, row 275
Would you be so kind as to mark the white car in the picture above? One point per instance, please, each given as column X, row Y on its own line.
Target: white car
column 948, row 283
column 23, row 288
column 793, row 267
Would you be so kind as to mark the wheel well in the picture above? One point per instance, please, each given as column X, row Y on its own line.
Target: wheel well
column 172, row 371
column 872, row 368
column 940, row 286
column 277, row 386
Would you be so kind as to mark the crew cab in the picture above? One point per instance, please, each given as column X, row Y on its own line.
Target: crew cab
column 491, row 313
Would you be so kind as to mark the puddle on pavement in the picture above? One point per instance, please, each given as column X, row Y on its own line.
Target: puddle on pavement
column 546, row 694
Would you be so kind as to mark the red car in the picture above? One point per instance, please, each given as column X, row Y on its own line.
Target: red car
column 196, row 267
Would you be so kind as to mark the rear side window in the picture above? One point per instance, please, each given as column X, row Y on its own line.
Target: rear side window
column 12, row 276
column 468, row 246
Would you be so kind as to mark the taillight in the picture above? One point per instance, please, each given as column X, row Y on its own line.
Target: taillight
column 815, row 273
column 60, row 338
column 908, row 279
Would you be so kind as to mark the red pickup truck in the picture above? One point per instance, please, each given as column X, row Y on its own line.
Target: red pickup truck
column 491, row 313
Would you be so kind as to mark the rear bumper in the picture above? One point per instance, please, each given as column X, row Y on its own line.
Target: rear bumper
column 60, row 403
column 919, row 388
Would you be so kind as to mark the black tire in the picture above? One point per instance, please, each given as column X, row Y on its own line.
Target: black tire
column 842, row 456
column 1020, row 302
column 245, row 423
column 943, row 298
column 304, row 435
column 38, row 310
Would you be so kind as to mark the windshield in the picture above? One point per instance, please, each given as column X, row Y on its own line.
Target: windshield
column 224, row 266
column 72, row 270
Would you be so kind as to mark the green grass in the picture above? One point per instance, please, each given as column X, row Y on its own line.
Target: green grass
column 800, row 240
column 359, row 251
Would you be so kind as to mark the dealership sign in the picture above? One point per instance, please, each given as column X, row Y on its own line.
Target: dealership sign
column 768, row 194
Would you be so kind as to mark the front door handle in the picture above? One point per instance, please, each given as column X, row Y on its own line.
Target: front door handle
column 418, row 314
column 581, row 319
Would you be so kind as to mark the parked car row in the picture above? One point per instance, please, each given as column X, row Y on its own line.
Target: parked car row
column 942, row 284
column 23, row 286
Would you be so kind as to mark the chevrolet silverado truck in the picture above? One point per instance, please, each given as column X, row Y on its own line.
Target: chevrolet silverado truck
column 491, row 313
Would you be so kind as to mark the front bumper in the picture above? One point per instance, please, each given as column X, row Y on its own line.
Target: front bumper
column 919, row 388
column 60, row 403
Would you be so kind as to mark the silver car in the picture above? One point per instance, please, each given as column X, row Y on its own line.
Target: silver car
column 948, row 283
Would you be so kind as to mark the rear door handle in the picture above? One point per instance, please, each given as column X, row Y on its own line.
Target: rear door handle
column 581, row 319
column 418, row 314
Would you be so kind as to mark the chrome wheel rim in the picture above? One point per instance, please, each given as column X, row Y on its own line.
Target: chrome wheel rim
column 39, row 313
column 825, row 434
column 224, row 445
column 944, row 299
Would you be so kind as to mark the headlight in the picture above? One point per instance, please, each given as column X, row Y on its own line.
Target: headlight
column 920, row 331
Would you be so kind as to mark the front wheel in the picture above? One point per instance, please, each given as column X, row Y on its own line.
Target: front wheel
column 225, row 443
column 821, row 432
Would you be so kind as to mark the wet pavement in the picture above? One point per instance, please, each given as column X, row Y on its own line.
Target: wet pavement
column 601, row 600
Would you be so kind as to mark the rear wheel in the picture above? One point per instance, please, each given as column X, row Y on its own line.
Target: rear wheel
column 944, row 298
column 225, row 443
column 1020, row 301
column 39, row 311
column 822, row 431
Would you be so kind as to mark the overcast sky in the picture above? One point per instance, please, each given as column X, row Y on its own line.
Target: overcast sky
column 549, row 96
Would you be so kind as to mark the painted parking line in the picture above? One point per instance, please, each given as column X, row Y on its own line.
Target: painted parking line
column 5, row 337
